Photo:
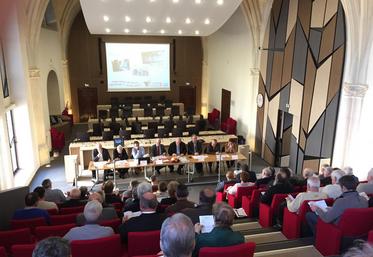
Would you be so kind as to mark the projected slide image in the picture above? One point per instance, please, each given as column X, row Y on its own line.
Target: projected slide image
column 138, row 67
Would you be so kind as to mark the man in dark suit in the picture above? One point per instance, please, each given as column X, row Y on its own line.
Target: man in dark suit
column 182, row 200
column 100, row 154
column 158, row 149
column 147, row 221
column 177, row 148
column 120, row 154
column 206, row 200
column 213, row 148
column 195, row 148
column 73, row 199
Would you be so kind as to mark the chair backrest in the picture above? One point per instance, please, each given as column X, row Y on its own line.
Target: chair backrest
column 107, row 135
column 181, row 124
column 148, row 111
column 241, row 250
column 277, row 200
column 149, row 133
column 304, row 208
column 228, row 184
column 28, row 223
column 17, row 236
column 362, row 221
column 177, row 132
column 153, row 125
column 175, row 110
column 52, row 211
column 97, row 129
column 23, row 250
column 94, row 248
column 241, row 191
column 125, row 134
column 102, row 114
column 115, row 127
column 47, row 231
column 162, row 133
column 2, row 252
column 70, row 210
column 114, row 224
column 82, row 136
column 63, row 219
column 159, row 110
column 142, row 243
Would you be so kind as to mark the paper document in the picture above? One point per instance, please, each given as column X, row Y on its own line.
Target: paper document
column 321, row 204
column 158, row 162
column 129, row 214
column 143, row 162
column 234, row 156
column 99, row 164
column 207, row 222
column 240, row 213
column 290, row 197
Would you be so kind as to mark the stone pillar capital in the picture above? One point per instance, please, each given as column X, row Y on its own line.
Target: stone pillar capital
column 354, row 90
column 34, row 73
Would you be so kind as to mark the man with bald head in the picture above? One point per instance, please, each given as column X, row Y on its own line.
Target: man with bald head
column 147, row 221
column 73, row 200
column 206, row 200
column 100, row 154
column 177, row 148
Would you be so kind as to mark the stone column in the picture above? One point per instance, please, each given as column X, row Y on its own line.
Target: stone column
column 66, row 83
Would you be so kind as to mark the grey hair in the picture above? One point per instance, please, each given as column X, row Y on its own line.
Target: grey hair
column 348, row 170
column 177, row 236
column 363, row 250
column 143, row 188
column 307, row 172
column 267, row 171
column 313, row 182
column 328, row 170
column 337, row 174
column 52, row 247
column 92, row 211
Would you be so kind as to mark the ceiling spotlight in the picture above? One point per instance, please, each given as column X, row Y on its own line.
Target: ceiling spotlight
column 152, row 1
column 188, row 20
column 126, row 31
column 148, row 19
column 175, row 1
column 168, row 20
column 127, row 18
column 106, row 18
column 197, row 1
column 197, row 32
column 144, row 31
column 207, row 21
column 162, row 31
column 220, row 2
column 180, row 32
column 107, row 30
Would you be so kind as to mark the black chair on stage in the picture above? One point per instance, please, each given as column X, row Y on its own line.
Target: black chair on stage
column 201, row 124
column 181, row 124
column 159, row 110
column 177, row 132
column 175, row 110
column 153, row 125
column 114, row 127
column 125, row 134
column 102, row 114
column 191, row 111
column 168, row 103
column 162, row 133
column 136, row 128
column 149, row 133
column 82, row 136
column 97, row 129
column 148, row 111
column 107, row 135
column 114, row 112
column 193, row 131
column 127, row 112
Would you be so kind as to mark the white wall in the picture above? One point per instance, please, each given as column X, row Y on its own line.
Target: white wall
column 229, row 61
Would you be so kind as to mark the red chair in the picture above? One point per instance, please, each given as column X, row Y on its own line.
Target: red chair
column 213, row 118
column 24, row 250
column 47, row 231
column 354, row 223
column 370, row 237
column 118, row 207
column 293, row 222
column 114, row 224
column 52, row 211
column 241, row 250
column 58, row 139
column 236, row 200
column 162, row 208
column 12, row 237
column 94, row 248
column 251, row 203
column 137, row 245
column 229, row 126
column 3, row 252
column 266, row 211
column 71, row 210
column 28, row 223
column 222, row 196
column 63, row 219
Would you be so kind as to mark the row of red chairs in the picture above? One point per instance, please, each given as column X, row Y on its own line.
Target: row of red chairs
column 78, row 209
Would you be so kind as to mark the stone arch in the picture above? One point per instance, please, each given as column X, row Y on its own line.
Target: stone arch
column 53, row 92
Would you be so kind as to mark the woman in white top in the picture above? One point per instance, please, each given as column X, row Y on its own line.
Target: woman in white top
column 245, row 182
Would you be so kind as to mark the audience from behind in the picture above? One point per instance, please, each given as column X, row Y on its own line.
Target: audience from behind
column 349, row 199
column 148, row 220
column 31, row 211
column 52, row 195
column 91, row 229
column 182, row 200
column 171, row 189
column 110, row 196
column 244, row 182
column 213, row 148
column 326, row 176
column 245, row 167
column 307, row 173
column 108, row 213
column 195, row 148
column 128, row 193
column 84, row 194
column 177, row 148
column 360, row 249
column 162, row 191
column 349, row 171
column 154, row 182
column 266, row 177
column 366, row 187
column 206, row 200
column 73, row 200
column 158, row 149
column 120, row 154
column 52, row 247
column 222, row 235
column 281, row 185
column 334, row 190
column 230, row 179
column 177, row 236
column 133, row 203
column 42, row 204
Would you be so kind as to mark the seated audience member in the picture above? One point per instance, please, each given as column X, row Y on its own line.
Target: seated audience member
column 222, row 234
column 73, row 200
column 334, row 190
column 91, row 230
column 307, row 173
column 52, row 195
column 360, row 249
column 177, row 236
column 134, row 204
column 128, row 193
column 244, row 182
column 31, row 211
column 231, row 148
column 108, row 213
column 120, row 154
column 42, row 204
column 177, row 148
column 325, row 177
column 230, row 178
column 171, row 190
column 266, row 177
column 349, row 199
column 52, row 247
column 162, row 191
column 213, row 148
column 154, row 182
column 110, row 196
column 158, row 149
column 367, row 187
column 182, row 200
column 349, row 171
column 137, row 150
column 195, row 148
column 281, row 185
column 147, row 221
column 100, row 154
column 245, row 167
column 84, row 194
column 206, row 200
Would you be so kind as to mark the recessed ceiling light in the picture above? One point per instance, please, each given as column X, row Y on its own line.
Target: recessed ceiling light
column 162, row 31
column 126, row 30
column 220, row 2
column 188, row 20
column 152, row 1
column 106, row 18
column 197, row 1
column 207, row 21
column 148, row 19
column 127, row 18
column 107, row 30
column 175, row 1
column 168, row 20
column 180, row 32
column 144, row 31
column 196, row 32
